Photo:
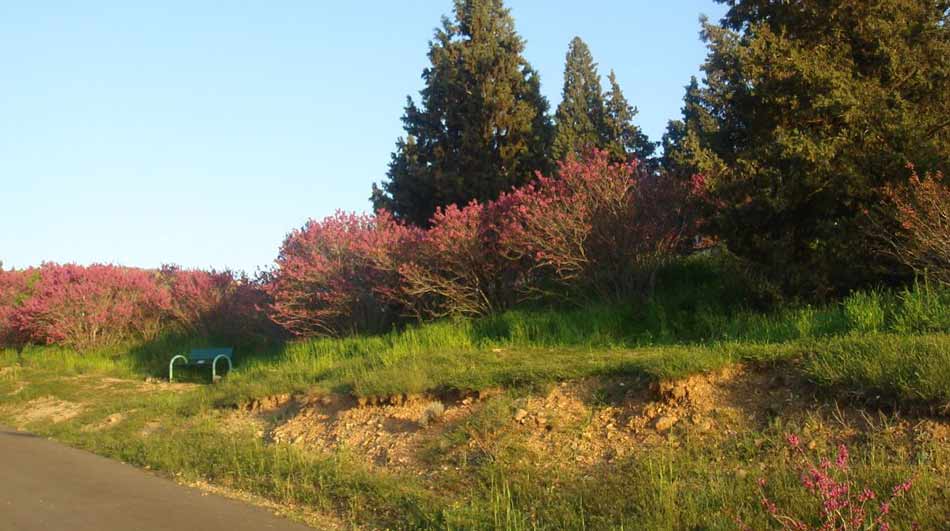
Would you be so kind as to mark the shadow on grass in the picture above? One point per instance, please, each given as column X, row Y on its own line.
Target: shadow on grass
column 152, row 357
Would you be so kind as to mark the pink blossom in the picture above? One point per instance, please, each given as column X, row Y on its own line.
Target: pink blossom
column 842, row 460
column 841, row 504
column 336, row 275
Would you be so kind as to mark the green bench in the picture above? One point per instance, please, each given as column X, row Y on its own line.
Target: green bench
column 203, row 357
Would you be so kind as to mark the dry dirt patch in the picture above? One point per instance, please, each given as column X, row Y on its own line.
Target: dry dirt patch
column 106, row 423
column 580, row 423
column 586, row 422
column 49, row 408
column 148, row 385
column 387, row 431
column 387, row 435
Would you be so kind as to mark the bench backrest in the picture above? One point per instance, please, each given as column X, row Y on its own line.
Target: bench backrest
column 208, row 354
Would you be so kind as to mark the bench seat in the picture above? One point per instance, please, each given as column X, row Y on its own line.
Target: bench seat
column 203, row 357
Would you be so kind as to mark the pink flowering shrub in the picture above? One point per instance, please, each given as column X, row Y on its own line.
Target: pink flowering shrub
column 103, row 305
column 338, row 275
column 841, row 503
column 922, row 208
column 216, row 303
column 458, row 267
column 242, row 315
column 15, row 287
column 86, row 306
column 599, row 228
column 196, row 295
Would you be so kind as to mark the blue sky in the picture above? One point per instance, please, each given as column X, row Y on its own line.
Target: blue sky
column 200, row 133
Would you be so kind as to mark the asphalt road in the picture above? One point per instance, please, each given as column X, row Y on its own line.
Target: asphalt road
column 45, row 486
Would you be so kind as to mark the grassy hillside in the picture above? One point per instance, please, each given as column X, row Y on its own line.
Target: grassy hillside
column 662, row 415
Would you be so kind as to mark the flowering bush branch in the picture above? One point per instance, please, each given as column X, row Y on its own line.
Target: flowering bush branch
column 842, row 504
column 921, row 239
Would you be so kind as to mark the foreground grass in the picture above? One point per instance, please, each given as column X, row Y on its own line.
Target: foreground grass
column 681, row 484
column 875, row 348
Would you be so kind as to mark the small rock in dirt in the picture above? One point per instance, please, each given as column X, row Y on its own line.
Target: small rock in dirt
column 520, row 415
column 672, row 390
column 665, row 423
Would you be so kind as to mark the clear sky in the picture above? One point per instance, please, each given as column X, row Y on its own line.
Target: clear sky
column 200, row 133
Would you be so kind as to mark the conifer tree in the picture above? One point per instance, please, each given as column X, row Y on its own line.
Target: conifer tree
column 817, row 106
column 623, row 139
column 481, row 126
column 580, row 118
column 589, row 118
column 681, row 147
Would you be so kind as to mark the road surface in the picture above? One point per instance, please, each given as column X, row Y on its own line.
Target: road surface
column 45, row 486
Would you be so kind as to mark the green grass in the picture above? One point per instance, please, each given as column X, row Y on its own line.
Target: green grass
column 698, row 321
column 677, row 486
column 908, row 369
column 873, row 346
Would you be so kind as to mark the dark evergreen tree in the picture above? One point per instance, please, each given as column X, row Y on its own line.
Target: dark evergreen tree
column 815, row 106
column 482, row 124
column 623, row 139
column 681, row 141
column 589, row 118
column 580, row 118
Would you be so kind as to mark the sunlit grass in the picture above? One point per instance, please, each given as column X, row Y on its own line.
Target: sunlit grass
column 875, row 345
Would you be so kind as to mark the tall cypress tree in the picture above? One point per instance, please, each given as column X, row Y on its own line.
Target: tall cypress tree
column 482, row 124
column 580, row 117
column 623, row 139
column 589, row 118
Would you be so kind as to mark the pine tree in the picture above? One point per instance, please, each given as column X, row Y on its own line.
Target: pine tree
column 623, row 139
column 681, row 144
column 482, row 124
column 580, row 118
column 816, row 106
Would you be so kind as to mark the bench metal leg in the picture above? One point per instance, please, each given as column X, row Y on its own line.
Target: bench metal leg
column 171, row 366
column 214, row 372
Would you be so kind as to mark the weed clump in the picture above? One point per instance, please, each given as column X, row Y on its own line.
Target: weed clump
column 433, row 413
